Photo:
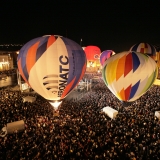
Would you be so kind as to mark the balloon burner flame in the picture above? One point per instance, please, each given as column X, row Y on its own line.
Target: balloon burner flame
column 55, row 104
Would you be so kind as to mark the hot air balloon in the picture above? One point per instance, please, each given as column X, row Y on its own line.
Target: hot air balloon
column 144, row 48
column 105, row 55
column 92, row 55
column 129, row 75
column 52, row 66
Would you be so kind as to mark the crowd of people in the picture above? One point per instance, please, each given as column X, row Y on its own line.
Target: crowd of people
column 81, row 131
column 8, row 72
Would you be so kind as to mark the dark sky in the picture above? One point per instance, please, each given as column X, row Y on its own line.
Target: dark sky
column 108, row 24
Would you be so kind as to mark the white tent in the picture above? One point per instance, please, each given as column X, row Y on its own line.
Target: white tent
column 112, row 113
column 157, row 114
column 12, row 127
column 17, row 125
column 29, row 99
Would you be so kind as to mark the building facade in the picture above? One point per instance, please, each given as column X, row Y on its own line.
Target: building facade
column 8, row 60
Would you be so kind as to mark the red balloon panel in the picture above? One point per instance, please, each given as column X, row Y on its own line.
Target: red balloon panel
column 92, row 53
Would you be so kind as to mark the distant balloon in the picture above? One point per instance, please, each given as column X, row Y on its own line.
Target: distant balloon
column 144, row 48
column 129, row 75
column 52, row 66
column 105, row 55
column 92, row 53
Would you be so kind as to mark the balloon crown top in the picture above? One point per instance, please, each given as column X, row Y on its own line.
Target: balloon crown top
column 53, row 35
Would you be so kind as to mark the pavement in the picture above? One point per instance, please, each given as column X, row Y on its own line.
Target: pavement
column 74, row 95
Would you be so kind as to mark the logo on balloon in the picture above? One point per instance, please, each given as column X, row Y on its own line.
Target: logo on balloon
column 63, row 74
column 96, row 56
column 50, row 81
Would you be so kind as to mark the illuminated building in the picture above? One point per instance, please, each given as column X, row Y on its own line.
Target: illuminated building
column 8, row 60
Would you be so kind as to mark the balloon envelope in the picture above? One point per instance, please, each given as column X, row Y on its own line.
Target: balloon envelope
column 105, row 55
column 129, row 75
column 52, row 65
column 92, row 53
column 144, row 48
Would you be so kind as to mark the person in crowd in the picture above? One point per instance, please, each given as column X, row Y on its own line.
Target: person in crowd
column 81, row 131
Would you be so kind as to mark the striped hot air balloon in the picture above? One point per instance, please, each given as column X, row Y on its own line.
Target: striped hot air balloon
column 129, row 75
column 52, row 66
column 144, row 48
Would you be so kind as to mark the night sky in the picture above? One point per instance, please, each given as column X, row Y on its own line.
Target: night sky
column 108, row 24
